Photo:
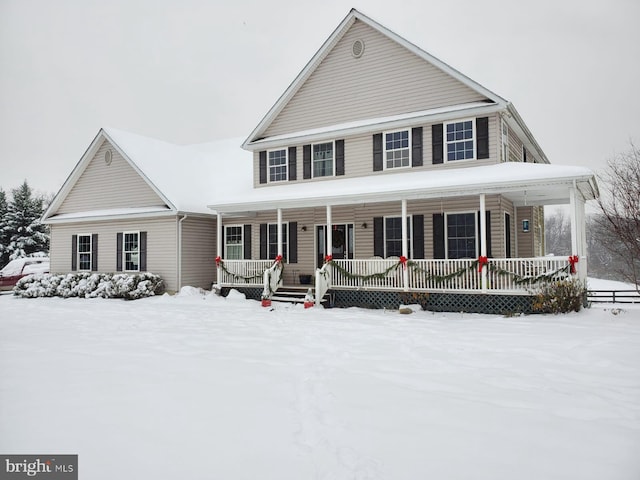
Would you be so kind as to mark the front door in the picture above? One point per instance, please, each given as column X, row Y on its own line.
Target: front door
column 341, row 238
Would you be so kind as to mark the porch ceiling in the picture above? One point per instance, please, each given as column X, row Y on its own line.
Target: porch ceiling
column 522, row 183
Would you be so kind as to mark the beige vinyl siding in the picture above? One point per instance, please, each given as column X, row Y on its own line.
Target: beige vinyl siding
column 387, row 80
column 364, row 214
column 161, row 245
column 358, row 154
column 113, row 186
column 525, row 239
column 198, row 252
column 515, row 147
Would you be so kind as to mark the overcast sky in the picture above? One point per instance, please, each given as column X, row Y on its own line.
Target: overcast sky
column 192, row 71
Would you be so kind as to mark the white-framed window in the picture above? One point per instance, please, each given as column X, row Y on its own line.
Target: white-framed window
column 277, row 165
column 84, row 251
column 461, row 241
column 323, row 159
column 397, row 149
column 234, row 242
column 272, row 240
column 393, row 236
column 131, row 251
column 459, row 140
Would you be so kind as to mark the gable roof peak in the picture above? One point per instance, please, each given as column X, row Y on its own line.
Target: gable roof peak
column 344, row 26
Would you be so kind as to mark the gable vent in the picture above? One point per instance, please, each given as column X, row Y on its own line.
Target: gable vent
column 357, row 49
column 107, row 157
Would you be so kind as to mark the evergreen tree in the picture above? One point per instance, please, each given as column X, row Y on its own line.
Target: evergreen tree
column 4, row 238
column 26, row 235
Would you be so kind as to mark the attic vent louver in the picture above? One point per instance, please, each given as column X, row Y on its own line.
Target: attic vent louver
column 357, row 49
column 107, row 157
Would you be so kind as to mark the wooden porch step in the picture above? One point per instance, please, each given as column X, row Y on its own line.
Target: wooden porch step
column 294, row 294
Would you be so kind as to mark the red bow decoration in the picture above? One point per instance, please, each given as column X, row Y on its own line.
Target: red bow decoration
column 403, row 261
column 573, row 259
column 328, row 258
column 278, row 258
column 482, row 261
column 218, row 261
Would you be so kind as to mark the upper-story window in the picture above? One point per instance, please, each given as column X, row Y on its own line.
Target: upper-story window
column 322, row 156
column 277, row 165
column 459, row 140
column 397, row 148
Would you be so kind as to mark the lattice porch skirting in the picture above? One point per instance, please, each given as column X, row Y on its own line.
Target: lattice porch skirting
column 436, row 302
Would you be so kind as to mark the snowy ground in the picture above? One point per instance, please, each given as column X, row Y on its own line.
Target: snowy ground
column 198, row 387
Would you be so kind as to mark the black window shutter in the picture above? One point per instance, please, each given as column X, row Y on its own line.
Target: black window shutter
column 524, row 155
column 306, row 161
column 437, row 145
column 263, row 166
column 378, row 163
column 143, row 251
column 507, row 235
column 482, row 133
column 378, row 236
column 418, row 236
column 94, row 252
column 339, row 157
column 247, row 242
column 292, row 163
column 416, row 147
column 119, row 252
column 438, row 236
column 293, row 242
column 263, row 241
column 74, row 253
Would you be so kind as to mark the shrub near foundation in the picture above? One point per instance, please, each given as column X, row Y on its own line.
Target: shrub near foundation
column 90, row 285
column 560, row 296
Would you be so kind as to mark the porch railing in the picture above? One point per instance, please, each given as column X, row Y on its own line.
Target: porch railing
column 503, row 274
column 244, row 272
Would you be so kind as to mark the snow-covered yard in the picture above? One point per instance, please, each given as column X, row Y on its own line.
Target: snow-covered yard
column 197, row 387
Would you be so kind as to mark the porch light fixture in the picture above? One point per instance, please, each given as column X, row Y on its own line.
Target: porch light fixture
column 304, row 228
column 364, row 225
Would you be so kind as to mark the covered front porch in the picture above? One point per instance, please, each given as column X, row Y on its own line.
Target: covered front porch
column 495, row 255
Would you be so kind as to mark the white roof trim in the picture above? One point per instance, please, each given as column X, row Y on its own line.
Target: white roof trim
column 382, row 123
column 112, row 214
column 326, row 47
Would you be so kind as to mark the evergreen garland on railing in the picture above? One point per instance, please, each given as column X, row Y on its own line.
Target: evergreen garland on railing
column 429, row 276
column 235, row 276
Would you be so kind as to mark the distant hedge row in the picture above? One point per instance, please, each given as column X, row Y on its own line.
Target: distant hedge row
column 90, row 285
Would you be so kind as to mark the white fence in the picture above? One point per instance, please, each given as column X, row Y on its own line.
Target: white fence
column 243, row 272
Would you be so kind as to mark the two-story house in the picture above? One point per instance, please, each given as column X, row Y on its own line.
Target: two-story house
column 380, row 172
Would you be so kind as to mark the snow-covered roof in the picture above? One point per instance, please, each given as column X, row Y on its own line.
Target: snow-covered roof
column 523, row 183
column 380, row 123
column 186, row 177
column 187, row 174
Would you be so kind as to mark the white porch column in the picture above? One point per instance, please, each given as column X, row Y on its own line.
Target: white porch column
column 405, row 245
column 280, row 232
column 483, row 238
column 578, row 231
column 219, row 235
column 329, row 232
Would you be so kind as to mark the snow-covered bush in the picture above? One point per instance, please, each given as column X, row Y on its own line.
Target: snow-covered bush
column 560, row 296
column 90, row 285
